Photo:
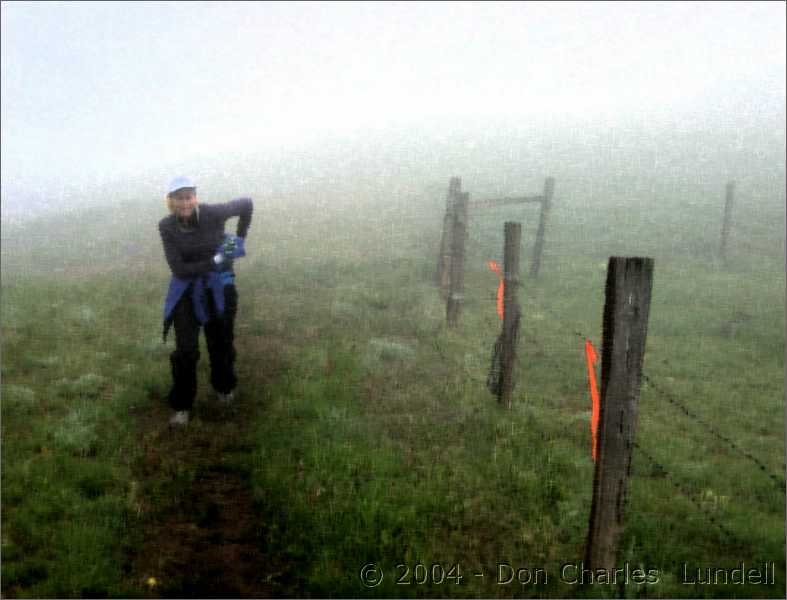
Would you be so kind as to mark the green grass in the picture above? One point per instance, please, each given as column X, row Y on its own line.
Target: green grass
column 67, row 443
column 375, row 440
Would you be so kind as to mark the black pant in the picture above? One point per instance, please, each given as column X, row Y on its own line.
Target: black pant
column 219, row 336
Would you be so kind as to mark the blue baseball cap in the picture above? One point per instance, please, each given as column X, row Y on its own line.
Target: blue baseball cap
column 180, row 183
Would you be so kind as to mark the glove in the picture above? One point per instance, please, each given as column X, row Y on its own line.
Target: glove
column 229, row 246
column 232, row 247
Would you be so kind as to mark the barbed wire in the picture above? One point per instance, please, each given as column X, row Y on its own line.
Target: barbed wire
column 779, row 482
column 688, row 495
column 707, row 426
column 710, row 428
column 666, row 474
column 657, row 466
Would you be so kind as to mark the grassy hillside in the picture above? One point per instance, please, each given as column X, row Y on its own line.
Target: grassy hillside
column 364, row 432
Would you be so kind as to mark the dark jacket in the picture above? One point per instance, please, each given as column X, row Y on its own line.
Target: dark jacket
column 189, row 251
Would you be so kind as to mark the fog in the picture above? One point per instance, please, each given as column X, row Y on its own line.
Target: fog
column 363, row 427
column 110, row 100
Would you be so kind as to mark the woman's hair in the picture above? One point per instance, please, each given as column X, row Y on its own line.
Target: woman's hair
column 170, row 205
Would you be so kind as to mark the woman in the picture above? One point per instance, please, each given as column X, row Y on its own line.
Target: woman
column 201, row 291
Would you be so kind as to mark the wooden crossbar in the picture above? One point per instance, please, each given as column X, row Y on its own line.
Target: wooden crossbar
column 504, row 201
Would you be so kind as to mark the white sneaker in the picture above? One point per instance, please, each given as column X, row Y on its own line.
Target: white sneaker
column 181, row 417
column 227, row 398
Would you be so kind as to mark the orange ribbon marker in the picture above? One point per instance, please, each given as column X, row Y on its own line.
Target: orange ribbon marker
column 496, row 268
column 591, row 356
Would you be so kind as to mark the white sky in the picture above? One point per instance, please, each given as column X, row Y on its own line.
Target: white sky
column 97, row 90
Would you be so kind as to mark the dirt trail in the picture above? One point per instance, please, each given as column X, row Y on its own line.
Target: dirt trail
column 203, row 535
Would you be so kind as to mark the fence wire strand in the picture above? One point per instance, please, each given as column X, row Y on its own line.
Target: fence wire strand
column 688, row 495
column 715, row 432
column 654, row 463
column 680, row 406
column 778, row 481
column 669, row 477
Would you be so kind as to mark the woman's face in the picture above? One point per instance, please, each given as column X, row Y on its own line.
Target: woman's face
column 185, row 201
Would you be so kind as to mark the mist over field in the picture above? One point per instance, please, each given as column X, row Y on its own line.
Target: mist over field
column 633, row 161
column 643, row 173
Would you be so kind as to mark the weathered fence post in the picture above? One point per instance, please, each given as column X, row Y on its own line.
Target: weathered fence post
column 457, row 287
column 725, row 228
column 628, row 291
column 511, row 312
column 546, row 205
column 443, row 277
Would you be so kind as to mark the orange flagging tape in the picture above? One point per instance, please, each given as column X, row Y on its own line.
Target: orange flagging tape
column 494, row 266
column 591, row 356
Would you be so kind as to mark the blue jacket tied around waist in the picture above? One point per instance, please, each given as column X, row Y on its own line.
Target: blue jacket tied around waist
column 212, row 282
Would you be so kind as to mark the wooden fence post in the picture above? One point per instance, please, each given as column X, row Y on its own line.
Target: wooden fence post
column 628, row 292
column 457, row 287
column 725, row 228
column 546, row 206
column 443, row 277
column 511, row 312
